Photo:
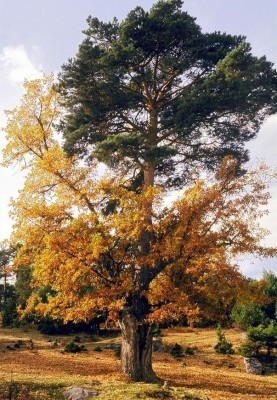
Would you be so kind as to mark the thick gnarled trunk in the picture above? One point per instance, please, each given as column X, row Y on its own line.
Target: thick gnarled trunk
column 136, row 352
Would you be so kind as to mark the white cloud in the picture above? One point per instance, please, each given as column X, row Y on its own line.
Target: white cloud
column 16, row 64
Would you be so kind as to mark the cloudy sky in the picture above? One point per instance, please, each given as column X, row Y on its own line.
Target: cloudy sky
column 40, row 35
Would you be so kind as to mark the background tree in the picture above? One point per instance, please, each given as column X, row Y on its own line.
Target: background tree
column 269, row 280
column 158, row 102
column 6, row 256
column 257, row 305
column 23, row 284
column 248, row 314
column 7, row 290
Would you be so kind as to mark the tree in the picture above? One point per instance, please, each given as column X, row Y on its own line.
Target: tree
column 6, row 256
column 257, row 305
column 248, row 315
column 84, row 255
column 269, row 280
column 223, row 346
column 7, row 290
column 9, row 316
column 159, row 103
column 155, row 99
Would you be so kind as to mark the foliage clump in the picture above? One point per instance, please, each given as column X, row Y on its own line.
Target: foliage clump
column 260, row 340
column 73, row 347
column 190, row 351
column 156, row 330
column 98, row 349
column 247, row 315
column 223, row 346
column 117, row 351
column 177, row 351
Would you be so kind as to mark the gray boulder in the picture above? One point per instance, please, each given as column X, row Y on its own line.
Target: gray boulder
column 157, row 346
column 78, row 393
column 253, row 365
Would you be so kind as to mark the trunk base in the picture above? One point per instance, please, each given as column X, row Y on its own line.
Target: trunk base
column 136, row 352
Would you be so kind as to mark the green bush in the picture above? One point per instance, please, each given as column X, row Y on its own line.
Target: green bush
column 190, row 351
column 177, row 351
column 156, row 331
column 77, row 339
column 247, row 315
column 98, row 348
column 72, row 347
column 9, row 313
column 260, row 339
column 222, row 346
column 117, row 351
column 248, row 349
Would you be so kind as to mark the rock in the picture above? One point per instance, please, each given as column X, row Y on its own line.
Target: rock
column 157, row 346
column 253, row 365
column 78, row 393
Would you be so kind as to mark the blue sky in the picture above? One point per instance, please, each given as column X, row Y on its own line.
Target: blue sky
column 40, row 35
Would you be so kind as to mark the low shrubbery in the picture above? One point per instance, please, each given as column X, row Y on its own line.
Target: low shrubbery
column 74, row 347
column 223, row 346
column 260, row 340
column 177, row 351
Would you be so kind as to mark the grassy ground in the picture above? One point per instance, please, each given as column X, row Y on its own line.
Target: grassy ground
column 32, row 367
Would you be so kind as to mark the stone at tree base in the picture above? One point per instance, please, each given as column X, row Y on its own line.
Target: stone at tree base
column 253, row 365
column 157, row 346
column 78, row 393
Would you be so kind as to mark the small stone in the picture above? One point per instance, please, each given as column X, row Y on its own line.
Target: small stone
column 165, row 385
column 78, row 393
column 157, row 346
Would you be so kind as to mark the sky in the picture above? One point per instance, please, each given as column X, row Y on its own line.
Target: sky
column 39, row 36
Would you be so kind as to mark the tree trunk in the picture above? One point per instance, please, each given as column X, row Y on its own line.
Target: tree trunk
column 136, row 352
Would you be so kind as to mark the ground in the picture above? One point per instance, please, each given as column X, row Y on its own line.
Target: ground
column 34, row 366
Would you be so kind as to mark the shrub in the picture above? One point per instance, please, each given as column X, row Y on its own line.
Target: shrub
column 177, row 351
column 72, row 347
column 77, row 339
column 222, row 346
column 190, row 351
column 93, row 338
column 117, row 351
column 98, row 348
column 9, row 313
column 248, row 349
column 260, row 339
column 156, row 331
column 247, row 315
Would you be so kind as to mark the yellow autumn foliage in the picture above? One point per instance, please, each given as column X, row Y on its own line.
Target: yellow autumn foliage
column 79, row 230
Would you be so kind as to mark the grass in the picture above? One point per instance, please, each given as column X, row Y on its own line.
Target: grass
column 42, row 370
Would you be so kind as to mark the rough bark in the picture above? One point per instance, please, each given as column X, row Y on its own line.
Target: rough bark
column 136, row 352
